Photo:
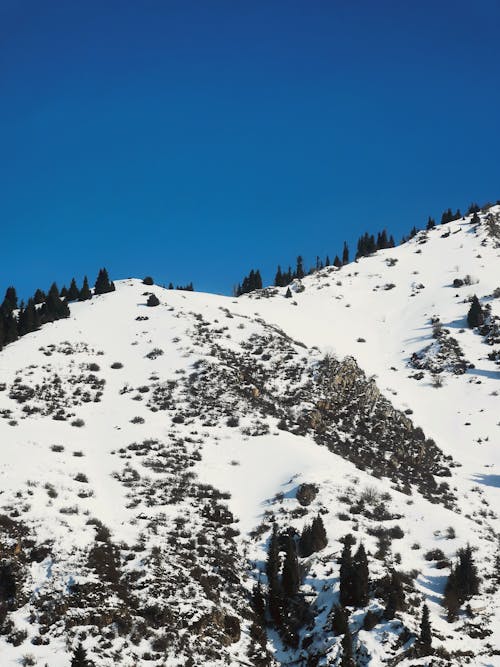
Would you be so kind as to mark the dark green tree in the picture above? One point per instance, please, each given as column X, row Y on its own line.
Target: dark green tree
column 394, row 595
column 425, row 637
column 102, row 283
column 85, row 293
column 79, row 658
column 291, row 572
column 347, row 654
column 299, row 271
column 73, row 291
column 345, row 254
column 39, row 297
column 340, row 620
column 346, row 575
column 361, row 578
column 278, row 279
column 475, row 316
column 10, row 301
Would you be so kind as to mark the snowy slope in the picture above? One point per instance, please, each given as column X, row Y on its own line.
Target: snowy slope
column 149, row 421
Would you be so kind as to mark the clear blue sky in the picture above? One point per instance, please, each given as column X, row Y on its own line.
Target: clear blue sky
column 196, row 140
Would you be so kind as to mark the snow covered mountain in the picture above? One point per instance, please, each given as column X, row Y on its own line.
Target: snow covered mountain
column 147, row 453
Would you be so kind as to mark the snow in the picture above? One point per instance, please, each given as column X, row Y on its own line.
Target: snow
column 336, row 309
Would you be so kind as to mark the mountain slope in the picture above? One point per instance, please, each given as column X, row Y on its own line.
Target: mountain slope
column 146, row 453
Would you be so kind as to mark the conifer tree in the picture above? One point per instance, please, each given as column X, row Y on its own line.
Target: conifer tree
column 85, row 293
column 327, row 261
column 346, row 575
column 278, row 279
column 347, row 656
column 10, row 301
column 475, row 220
column 288, row 293
column 431, row 223
column 258, row 601
column 11, row 333
column 102, row 283
column 73, row 291
column 54, row 308
column 361, row 580
column 39, row 297
column 291, row 573
column 299, row 271
column 475, row 316
column 79, row 658
column 340, row 620
column 337, row 262
column 395, row 596
column 345, row 254
column 425, row 637
column 272, row 571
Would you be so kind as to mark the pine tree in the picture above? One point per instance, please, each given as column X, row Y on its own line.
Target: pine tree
column 272, row 571
column 10, row 301
column 395, row 596
column 278, row 279
column 258, row 601
column 85, row 293
column 361, row 578
column 475, row 220
column 425, row 638
column 346, row 575
column 291, row 573
column 288, row 293
column 73, row 291
column 337, row 262
column 345, row 254
column 79, row 658
column 11, row 333
column 28, row 319
column 8, row 586
column 39, row 297
column 299, row 271
column 340, row 620
column 54, row 308
column 475, row 316
column 102, row 283
column 431, row 223
column 347, row 657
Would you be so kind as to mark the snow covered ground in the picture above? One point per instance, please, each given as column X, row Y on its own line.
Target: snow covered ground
column 56, row 473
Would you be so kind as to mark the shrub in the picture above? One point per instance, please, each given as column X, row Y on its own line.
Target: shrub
column 148, row 281
column 81, row 477
column 434, row 554
column 137, row 420
column 152, row 300
column 116, row 364
column 78, row 423
column 57, row 448
column 93, row 367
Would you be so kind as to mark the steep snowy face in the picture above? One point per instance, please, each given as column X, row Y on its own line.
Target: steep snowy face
column 402, row 313
column 148, row 451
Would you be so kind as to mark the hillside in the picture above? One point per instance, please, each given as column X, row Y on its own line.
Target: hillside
column 148, row 451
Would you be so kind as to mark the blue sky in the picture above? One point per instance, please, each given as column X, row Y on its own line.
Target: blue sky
column 196, row 140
